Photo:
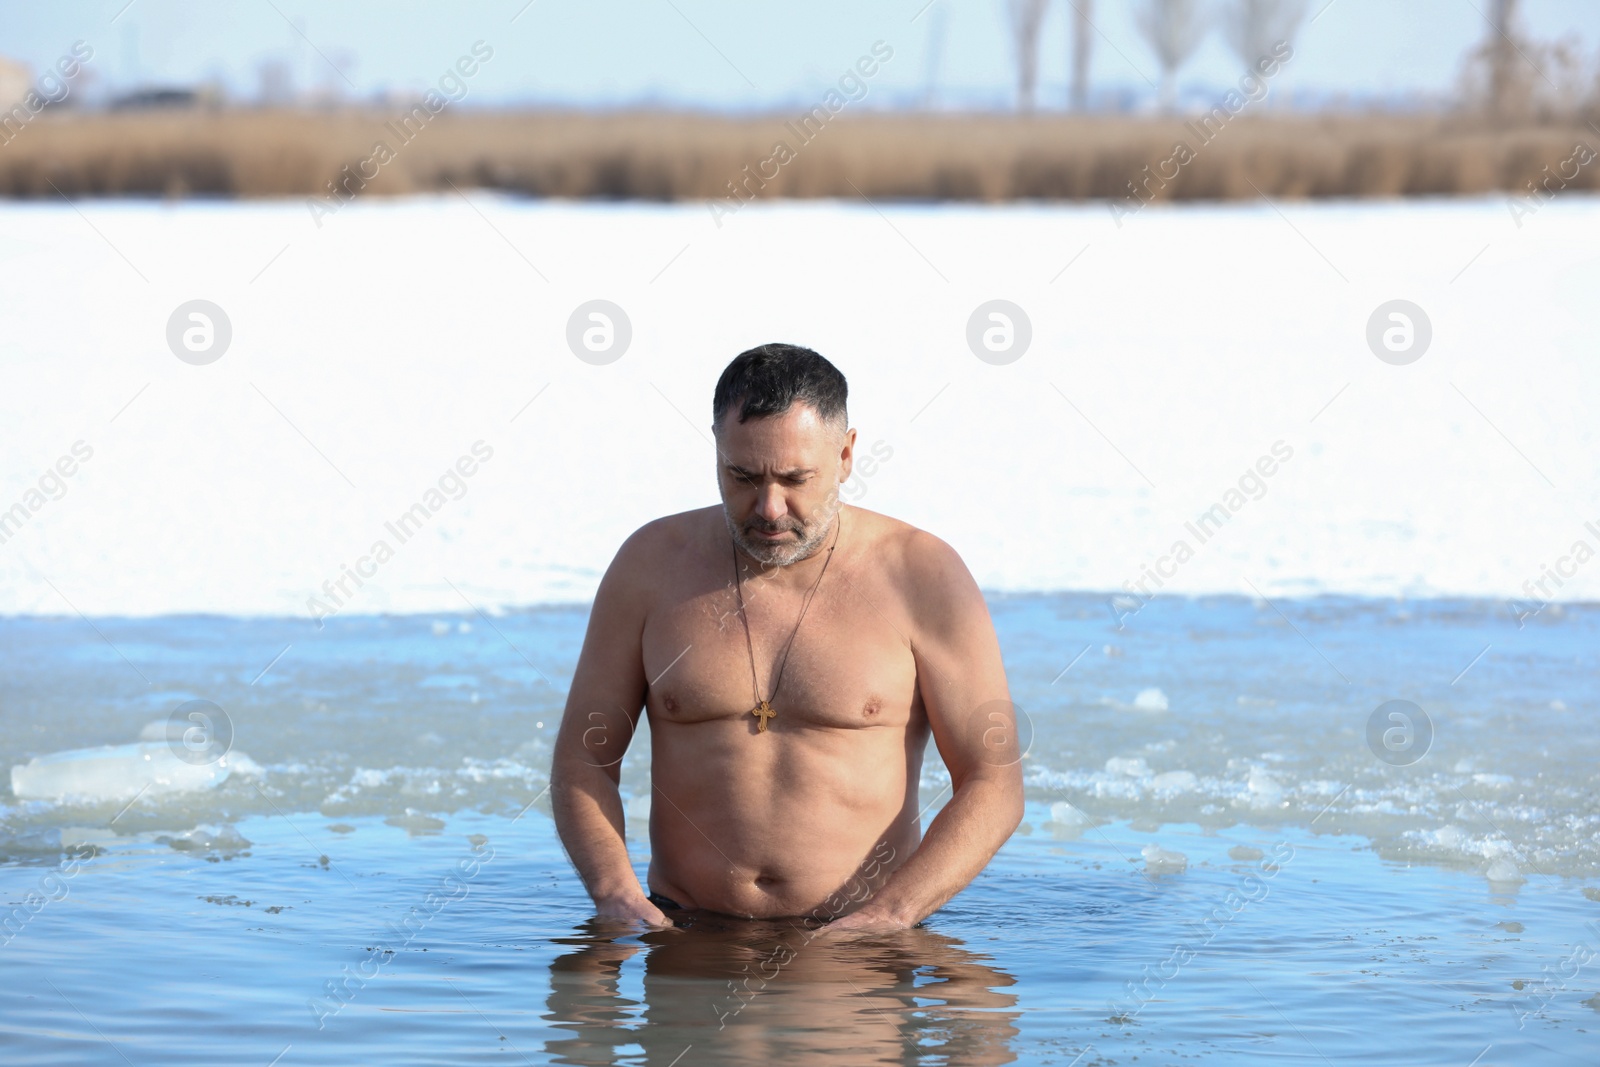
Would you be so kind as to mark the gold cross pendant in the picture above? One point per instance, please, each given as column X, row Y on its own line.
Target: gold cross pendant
column 763, row 711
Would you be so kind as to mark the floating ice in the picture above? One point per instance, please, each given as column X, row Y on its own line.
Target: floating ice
column 638, row 807
column 206, row 838
column 1244, row 853
column 416, row 823
column 1151, row 699
column 41, row 841
column 369, row 778
column 1130, row 765
column 1174, row 782
column 1451, row 837
column 1157, row 858
column 1504, row 871
column 116, row 772
column 1265, row 792
column 1067, row 815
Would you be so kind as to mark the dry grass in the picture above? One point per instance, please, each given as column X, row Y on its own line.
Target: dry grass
column 675, row 156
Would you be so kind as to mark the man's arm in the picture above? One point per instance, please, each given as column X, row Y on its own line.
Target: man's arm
column 603, row 708
column 963, row 685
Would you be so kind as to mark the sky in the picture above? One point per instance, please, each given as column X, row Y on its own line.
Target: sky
column 736, row 56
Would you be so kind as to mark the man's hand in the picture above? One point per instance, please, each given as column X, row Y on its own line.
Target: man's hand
column 603, row 707
column 864, row 920
column 963, row 685
column 634, row 909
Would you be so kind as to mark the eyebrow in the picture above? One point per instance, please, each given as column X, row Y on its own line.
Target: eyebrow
column 793, row 472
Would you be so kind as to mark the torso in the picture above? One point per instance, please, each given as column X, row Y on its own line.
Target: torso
column 809, row 815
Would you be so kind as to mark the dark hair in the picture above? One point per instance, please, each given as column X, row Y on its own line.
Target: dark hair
column 770, row 379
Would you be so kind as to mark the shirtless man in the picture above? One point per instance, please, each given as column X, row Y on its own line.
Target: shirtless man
column 812, row 810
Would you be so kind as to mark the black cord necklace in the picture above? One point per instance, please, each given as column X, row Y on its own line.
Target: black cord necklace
column 763, row 708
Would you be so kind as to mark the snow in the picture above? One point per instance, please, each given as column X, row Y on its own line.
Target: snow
column 1167, row 364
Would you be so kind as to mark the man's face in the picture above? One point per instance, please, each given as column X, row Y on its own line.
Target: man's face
column 779, row 477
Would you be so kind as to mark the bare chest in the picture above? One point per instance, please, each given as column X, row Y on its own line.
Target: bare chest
column 847, row 665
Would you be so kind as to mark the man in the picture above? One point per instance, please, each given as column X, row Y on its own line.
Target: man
column 793, row 655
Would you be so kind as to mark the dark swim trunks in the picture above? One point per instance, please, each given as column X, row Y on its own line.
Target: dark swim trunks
column 663, row 902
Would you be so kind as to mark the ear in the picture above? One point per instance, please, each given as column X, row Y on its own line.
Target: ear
column 847, row 454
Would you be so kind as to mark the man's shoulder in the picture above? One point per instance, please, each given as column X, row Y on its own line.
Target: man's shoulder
column 928, row 574
column 664, row 538
column 887, row 533
column 657, row 548
column 917, row 554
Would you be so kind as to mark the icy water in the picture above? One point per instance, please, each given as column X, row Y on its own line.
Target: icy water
column 1220, row 861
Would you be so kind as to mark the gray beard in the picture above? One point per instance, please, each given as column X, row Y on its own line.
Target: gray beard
column 782, row 555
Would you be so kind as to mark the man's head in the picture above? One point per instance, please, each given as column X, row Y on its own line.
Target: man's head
column 783, row 448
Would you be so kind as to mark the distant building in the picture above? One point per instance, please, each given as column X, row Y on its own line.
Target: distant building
column 143, row 99
column 15, row 81
column 277, row 83
column 165, row 97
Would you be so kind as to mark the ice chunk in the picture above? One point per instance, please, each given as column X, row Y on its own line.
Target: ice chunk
column 1174, row 782
column 48, row 840
column 1151, row 699
column 243, row 765
column 1244, row 853
column 1067, row 822
column 114, row 772
column 1157, row 858
column 1504, row 871
column 206, row 838
column 1452, row 837
column 416, row 823
column 1265, row 792
column 1129, row 765
column 1067, row 814
column 638, row 807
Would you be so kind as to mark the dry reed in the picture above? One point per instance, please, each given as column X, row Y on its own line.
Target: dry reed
column 678, row 156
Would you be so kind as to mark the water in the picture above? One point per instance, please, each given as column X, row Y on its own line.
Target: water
column 1301, row 897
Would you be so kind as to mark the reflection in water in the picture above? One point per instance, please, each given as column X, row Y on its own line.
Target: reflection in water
column 770, row 992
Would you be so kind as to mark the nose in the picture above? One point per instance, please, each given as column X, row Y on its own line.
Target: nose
column 769, row 504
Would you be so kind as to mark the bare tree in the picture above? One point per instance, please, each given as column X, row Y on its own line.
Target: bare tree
column 1026, row 17
column 936, row 35
column 1499, row 50
column 1082, row 38
column 1173, row 29
column 1511, row 76
column 1255, row 26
